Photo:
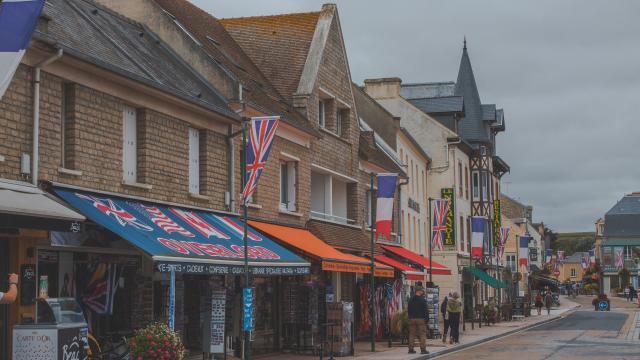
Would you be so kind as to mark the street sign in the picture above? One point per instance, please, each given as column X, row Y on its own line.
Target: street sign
column 603, row 305
column 248, row 308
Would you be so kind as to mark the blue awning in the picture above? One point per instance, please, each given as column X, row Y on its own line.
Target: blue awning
column 186, row 240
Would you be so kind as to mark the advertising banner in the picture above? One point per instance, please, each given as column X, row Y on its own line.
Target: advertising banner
column 450, row 219
column 497, row 223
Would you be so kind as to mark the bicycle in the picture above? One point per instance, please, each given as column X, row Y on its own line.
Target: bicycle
column 107, row 349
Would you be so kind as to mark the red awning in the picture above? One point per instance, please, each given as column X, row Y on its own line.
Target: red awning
column 409, row 272
column 438, row 269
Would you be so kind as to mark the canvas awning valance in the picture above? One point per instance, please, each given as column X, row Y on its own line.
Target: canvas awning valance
column 488, row 279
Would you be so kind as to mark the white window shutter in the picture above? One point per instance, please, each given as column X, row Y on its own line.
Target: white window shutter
column 291, row 182
column 194, row 161
column 129, row 145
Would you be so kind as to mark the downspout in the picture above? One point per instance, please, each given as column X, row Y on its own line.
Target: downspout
column 36, row 114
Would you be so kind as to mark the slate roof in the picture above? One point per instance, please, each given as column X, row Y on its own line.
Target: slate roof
column 427, row 90
column 435, row 105
column 369, row 150
column 100, row 36
column 489, row 112
column 259, row 92
column 623, row 219
column 471, row 127
column 376, row 117
column 277, row 44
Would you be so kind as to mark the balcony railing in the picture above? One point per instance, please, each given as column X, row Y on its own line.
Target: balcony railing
column 333, row 218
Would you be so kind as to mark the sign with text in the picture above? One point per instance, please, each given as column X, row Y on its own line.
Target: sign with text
column 497, row 222
column 450, row 219
column 218, row 313
column 247, row 297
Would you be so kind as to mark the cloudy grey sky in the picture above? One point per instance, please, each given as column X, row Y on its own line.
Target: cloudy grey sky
column 567, row 74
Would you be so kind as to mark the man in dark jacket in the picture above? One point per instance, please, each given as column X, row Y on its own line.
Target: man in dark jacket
column 418, row 313
column 443, row 310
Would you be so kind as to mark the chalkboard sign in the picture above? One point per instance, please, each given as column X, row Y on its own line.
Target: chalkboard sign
column 518, row 306
column 27, row 284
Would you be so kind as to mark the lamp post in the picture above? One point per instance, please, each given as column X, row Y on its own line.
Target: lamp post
column 373, row 267
column 243, row 162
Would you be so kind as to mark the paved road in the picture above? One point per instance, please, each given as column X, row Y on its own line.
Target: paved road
column 581, row 335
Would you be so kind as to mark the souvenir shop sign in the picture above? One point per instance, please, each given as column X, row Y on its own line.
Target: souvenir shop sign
column 497, row 222
column 175, row 234
column 450, row 232
column 356, row 268
column 214, row 269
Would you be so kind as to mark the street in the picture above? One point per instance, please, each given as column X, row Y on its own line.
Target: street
column 583, row 334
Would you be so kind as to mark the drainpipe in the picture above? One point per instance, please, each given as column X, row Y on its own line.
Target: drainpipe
column 36, row 114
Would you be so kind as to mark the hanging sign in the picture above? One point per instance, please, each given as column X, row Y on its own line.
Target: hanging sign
column 450, row 232
column 497, row 222
column 247, row 297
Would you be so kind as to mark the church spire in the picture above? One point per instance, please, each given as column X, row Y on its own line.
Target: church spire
column 465, row 43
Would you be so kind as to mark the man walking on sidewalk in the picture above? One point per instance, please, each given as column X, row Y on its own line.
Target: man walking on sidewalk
column 453, row 308
column 445, row 317
column 418, row 314
column 548, row 301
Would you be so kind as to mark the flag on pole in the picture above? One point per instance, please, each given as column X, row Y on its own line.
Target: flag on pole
column 18, row 19
column 262, row 131
column 547, row 256
column 585, row 260
column 592, row 257
column 504, row 235
column 384, row 204
column 477, row 235
column 619, row 251
column 523, row 258
column 438, row 226
column 560, row 255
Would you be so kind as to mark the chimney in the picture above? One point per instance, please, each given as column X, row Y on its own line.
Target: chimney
column 383, row 88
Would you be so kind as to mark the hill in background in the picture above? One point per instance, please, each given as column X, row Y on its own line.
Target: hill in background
column 573, row 242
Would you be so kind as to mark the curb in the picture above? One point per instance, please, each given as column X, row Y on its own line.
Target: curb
column 494, row 337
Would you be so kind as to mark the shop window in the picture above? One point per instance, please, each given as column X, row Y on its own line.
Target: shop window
column 194, row 161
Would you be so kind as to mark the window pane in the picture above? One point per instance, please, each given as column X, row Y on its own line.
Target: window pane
column 284, row 189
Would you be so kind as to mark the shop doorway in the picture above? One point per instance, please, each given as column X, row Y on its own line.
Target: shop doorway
column 4, row 309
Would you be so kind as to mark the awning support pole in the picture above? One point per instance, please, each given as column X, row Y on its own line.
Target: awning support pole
column 243, row 178
column 373, row 265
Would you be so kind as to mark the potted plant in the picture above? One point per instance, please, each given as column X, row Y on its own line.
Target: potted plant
column 156, row 341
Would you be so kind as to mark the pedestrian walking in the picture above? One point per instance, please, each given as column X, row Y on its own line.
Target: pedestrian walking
column 12, row 292
column 453, row 309
column 548, row 301
column 539, row 303
column 418, row 316
column 630, row 294
column 445, row 317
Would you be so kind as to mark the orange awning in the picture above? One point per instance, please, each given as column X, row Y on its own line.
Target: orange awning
column 331, row 258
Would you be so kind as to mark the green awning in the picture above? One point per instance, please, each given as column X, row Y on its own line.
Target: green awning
column 488, row 279
column 621, row 242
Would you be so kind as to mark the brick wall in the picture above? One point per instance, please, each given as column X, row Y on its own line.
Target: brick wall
column 267, row 196
column 94, row 143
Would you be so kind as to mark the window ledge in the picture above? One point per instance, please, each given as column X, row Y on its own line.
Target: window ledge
column 288, row 212
column 254, row 206
column 324, row 129
column 66, row 171
column 137, row 185
column 199, row 197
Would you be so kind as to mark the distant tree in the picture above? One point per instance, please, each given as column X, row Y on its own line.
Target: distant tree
column 550, row 237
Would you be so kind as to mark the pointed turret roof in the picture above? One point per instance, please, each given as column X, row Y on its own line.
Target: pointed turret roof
column 472, row 127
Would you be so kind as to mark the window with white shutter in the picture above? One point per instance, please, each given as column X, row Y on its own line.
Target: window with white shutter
column 288, row 185
column 129, row 145
column 194, row 161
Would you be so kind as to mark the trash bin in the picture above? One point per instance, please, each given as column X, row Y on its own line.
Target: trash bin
column 59, row 332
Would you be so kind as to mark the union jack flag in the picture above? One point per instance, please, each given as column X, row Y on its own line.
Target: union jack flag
column 504, row 235
column 440, row 211
column 166, row 223
column 262, row 131
column 619, row 256
column 109, row 207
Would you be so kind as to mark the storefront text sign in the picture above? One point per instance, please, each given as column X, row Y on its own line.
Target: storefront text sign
column 212, row 269
column 450, row 232
column 218, row 312
column 35, row 344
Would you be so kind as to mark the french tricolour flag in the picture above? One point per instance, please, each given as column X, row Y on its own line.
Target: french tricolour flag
column 477, row 235
column 523, row 258
column 384, row 204
column 18, row 18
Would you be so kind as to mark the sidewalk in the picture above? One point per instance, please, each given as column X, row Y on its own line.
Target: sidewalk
column 436, row 347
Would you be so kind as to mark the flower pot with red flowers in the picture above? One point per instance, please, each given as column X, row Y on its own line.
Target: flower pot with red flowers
column 156, row 341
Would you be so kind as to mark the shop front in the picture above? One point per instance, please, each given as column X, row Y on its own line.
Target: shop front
column 27, row 214
column 324, row 308
column 202, row 254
